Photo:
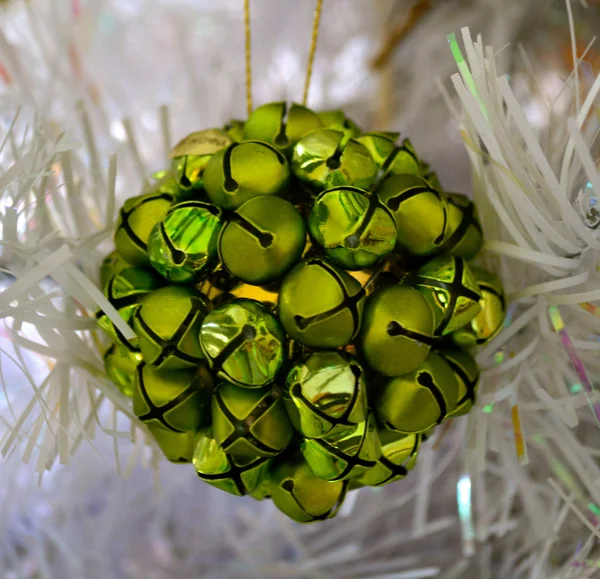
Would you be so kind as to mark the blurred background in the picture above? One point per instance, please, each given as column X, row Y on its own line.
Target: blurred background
column 386, row 62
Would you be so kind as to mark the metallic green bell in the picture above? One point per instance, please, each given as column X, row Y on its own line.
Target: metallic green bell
column 168, row 327
column 390, row 158
column 249, row 422
column 303, row 497
column 466, row 371
column 319, row 305
column 177, row 447
column 263, row 240
column 399, row 454
column 183, row 246
column 125, row 291
column 112, row 264
column 420, row 213
column 419, row 400
column 243, row 171
column 356, row 231
column 328, row 158
column 279, row 126
column 489, row 321
column 343, row 455
column 136, row 219
column 235, row 129
column 326, row 393
column 237, row 475
column 338, row 120
column 464, row 237
column 451, row 290
column 178, row 400
column 397, row 330
column 243, row 343
column 191, row 155
column 121, row 365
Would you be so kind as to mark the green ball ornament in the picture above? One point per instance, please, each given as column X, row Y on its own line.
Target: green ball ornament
column 420, row 213
column 464, row 237
column 279, row 126
column 326, row 393
column 243, row 343
column 191, row 155
column 451, row 289
column 183, row 246
column 319, row 305
column 419, row 400
column 328, row 158
column 343, row 455
column 399, row 454
column 337, row 119
column 135, row 222
column 397, row 330
column 236, row 475
column 355, row 230
column 112, row 264
column 243, row 171
column 250, row 423
column 302, row 496
column 125, row 291
column 263, row 240
column 467, row 374
column 178, row 401
column 121, row 365
column 168, row 327
column 177, row 447
column 490, row 319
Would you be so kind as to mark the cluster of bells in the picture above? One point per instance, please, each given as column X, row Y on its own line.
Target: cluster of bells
column 303, row 305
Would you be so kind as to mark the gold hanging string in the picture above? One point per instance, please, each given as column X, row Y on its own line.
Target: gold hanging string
column 313, row 49
column 248, row 57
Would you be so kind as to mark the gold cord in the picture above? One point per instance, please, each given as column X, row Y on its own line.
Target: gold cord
column 313, row 49
column 248, row 57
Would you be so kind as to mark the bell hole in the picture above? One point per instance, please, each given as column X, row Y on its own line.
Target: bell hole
column 230, row 185
column 425, row 379
column 394, row 329
column 281, row 140
column 178, row 257
column 333, row 163
column 249, row 332
column 265, row 240
column 394, row 203
column 288, row 485
column 296, row 389
column 185, row 182
column 301, row 322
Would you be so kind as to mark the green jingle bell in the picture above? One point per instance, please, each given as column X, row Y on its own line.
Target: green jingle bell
column 489, row 321
column 337, row 119
column 399, row 454
column 449, row 286
column 418, row 400
column 319, row 305
column 191, row 155
column 420, row 213
column 328, row 158
column 178, row 400
column 243, row 343
column 121, row 365
column 263, row 239
column 279, row 126
column 168, row 327
column 112, row 264
column 390, row 158
column 302, row 496
column 125, row 291
column 464, row 236
column 177, row 447
column 397, row 330
column 325, row 393
column 243, row 171
column 466, row 371
column 356, row 231
column 237, row 475
column 250, row 423
column 183, row 246
column 235, row 130
column 340, row 456
column 136, row 219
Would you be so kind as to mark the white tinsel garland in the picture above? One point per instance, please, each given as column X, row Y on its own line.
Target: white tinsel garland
column 57, row 208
